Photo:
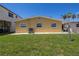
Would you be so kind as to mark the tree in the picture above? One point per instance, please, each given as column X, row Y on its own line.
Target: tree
column 73, row 16
column 77, row 15
column 69, row 15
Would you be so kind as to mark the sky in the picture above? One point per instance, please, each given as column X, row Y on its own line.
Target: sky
column 52, row 10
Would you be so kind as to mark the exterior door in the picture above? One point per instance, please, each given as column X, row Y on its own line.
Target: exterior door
column 5, row 26
column 31, row 30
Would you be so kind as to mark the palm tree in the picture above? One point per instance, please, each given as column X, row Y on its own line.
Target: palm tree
column 77, row 15
column 68, row 17
column 73, row 16
column 64, row 17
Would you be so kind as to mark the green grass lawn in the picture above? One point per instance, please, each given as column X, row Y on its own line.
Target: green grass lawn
column 39, row 45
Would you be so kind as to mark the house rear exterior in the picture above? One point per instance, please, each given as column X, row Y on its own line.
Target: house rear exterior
column 38, row 25
column 7, row 20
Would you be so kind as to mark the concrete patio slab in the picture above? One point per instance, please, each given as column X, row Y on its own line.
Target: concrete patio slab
column 41, row 33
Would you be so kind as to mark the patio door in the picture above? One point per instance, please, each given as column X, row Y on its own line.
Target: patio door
column 5, row 26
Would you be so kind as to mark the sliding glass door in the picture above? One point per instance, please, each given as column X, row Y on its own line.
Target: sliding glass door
column 5, row 26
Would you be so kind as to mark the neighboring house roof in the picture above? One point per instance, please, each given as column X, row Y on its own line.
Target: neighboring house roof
column 10, row 11
column 38, row 17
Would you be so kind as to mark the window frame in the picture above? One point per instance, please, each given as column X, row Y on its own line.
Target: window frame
column 10, row 14
column 23, row 25
column 77, row 25
column 53, row 25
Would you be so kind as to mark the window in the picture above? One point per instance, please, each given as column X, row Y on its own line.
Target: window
column 53, row 25
column 10, row 14
column 39, row 25
column 77, row 25
column 23, row 25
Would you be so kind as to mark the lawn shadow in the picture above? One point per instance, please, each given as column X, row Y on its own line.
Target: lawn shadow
column 2, row 34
